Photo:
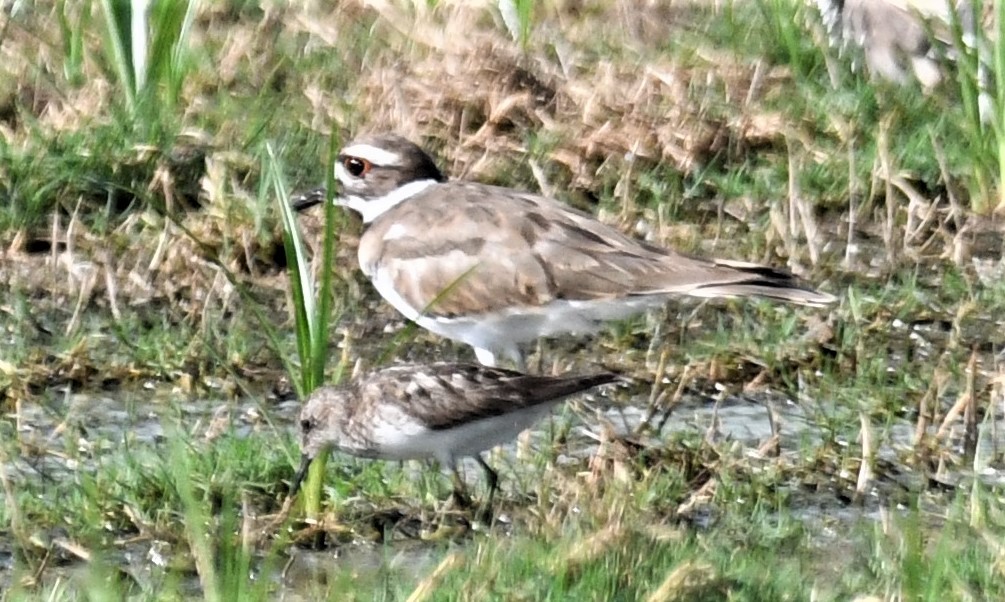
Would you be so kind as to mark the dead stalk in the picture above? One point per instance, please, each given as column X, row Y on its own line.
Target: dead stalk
column 960, row 407
column 970, row 433
column 930, row 400
column 111, row 285
column 657, row 393
column 432, row 582
column 852, row 205
column 54, row 246
column 772, row 447
column 790, row 234
column 865, row 471
column 798, row 206
column 685, row 379
column 886, row 168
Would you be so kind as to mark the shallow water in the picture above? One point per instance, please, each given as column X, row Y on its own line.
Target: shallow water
column 95, row 424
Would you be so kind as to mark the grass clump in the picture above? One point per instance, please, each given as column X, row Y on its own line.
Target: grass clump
column 312, row 304
column 147, row 47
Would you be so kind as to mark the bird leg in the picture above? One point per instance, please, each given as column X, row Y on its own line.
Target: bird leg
column 520, row 361
column 460, row 493
column 491, row 476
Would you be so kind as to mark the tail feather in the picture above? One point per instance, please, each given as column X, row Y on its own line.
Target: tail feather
column 762, row 281
column 766, row 289
column 547, row 388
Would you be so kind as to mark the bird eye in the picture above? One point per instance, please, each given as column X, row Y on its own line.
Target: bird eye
column 356, row 167
column 306, row 425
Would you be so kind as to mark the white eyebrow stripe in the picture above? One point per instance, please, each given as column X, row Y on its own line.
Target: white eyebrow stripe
column 374, row 155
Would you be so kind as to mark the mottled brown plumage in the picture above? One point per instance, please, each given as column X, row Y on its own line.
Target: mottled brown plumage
column 445, row 411
column 506, row 249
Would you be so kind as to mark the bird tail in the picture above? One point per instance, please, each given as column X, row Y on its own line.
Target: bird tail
column 549, row 388
column 762, row 281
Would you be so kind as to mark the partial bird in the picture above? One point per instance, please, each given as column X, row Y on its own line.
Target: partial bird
column 905, row 39
column 445, row 411
column 496, row 267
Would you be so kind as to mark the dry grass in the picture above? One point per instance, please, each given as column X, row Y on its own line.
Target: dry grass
column 471, row 92
column 449, row 76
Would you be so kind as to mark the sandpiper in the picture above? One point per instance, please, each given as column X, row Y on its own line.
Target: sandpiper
column 444, row 411
column 495, row 267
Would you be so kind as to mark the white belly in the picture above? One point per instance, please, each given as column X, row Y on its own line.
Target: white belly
column 397, row 441
column 504, row 331
column 510, row 328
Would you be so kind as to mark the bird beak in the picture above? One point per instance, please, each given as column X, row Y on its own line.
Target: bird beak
column 307, row 200
column 305, row 463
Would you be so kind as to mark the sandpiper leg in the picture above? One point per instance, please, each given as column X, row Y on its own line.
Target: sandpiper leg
column 485, row 514
column 460, row 494
column 490, row 475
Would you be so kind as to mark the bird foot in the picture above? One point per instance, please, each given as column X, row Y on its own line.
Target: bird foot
column 461, row 500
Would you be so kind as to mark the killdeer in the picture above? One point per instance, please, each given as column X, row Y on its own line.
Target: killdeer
column 901, row 38
column 495, row 267
column 445, row 411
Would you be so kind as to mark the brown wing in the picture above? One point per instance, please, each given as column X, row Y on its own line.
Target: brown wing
column 490, row 248
column 443, row 395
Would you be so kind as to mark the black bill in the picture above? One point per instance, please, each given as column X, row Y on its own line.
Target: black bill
column 298, row 479
column 307, row 200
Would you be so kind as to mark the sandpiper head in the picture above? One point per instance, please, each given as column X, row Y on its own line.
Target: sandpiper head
column 379, row 171
column 320, row 427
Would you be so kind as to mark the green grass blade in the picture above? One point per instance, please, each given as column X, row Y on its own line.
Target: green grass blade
column 518, row 16
column 117, row 33
column 170, row 23
column 301, row 283
column 196, row 520
column 180, row 65
column 982, row 131
column 319, row 337
column 998, row 71
column 312, row 314
column 72, row 35
column 319, row 340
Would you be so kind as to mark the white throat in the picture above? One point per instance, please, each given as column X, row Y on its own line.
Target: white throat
column 372, row 209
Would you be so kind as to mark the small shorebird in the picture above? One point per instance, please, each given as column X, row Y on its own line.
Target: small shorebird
column 445, row 411
column 495, row 267
column 904, row 38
